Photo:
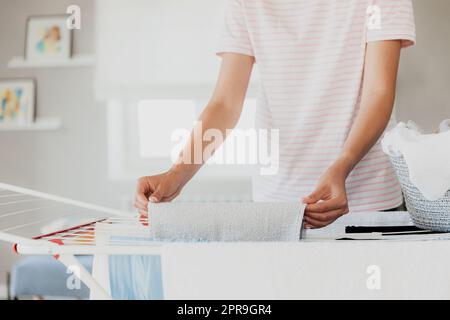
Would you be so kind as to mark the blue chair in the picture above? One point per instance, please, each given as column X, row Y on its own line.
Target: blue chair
column 45, row 277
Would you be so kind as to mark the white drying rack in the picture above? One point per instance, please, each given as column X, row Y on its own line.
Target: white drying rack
column 24, row 214
column 31, row 222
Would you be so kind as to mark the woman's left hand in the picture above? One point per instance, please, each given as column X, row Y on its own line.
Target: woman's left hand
column 328, row 201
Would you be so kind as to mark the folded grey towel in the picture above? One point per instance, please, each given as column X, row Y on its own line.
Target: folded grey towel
column 226, row 221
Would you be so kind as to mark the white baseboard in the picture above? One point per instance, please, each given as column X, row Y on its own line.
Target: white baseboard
column 3, row 292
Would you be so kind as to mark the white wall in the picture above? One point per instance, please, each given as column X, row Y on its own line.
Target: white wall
column 424, row 79
column 72, row 162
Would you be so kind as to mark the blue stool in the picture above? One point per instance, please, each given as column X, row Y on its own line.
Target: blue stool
column 45, row 276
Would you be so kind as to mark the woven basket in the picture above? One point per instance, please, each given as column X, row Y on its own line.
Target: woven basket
column 426, row 214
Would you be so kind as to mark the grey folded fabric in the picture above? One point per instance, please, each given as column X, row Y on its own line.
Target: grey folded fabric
column 193, row 222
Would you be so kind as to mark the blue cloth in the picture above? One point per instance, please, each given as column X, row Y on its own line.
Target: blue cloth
column 135, row 277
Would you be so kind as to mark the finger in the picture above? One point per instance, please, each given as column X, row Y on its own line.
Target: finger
column 143, row 214
column 315, row 196
column 140, row 204
column 141, row 196
column 141, row 192
column 326, row 206
column 307, row 225
column 140, row 201
column 157, row 195
column 140, row 207
column 143, row 218
column 317, row 224
column 327, row 216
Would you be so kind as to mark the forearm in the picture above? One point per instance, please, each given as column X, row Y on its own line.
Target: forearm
column 217, row 117
column 368, row 127
column 380, row 79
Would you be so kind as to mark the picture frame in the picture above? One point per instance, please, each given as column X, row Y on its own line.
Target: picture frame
column 48, row 38
column 17, row 101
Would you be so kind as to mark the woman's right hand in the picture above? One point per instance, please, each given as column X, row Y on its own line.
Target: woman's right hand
column 159, row 188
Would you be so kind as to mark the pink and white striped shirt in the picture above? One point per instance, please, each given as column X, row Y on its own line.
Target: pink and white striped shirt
column 310, row 55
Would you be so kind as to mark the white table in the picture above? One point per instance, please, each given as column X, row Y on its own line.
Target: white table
column 318, row 268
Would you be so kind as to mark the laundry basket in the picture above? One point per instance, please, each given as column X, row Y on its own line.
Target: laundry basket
column 426, row 214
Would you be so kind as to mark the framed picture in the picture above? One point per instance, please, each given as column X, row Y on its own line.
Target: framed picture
column 17, row 101
column 48, row 38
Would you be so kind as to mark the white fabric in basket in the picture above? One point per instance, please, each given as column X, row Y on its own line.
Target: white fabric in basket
column 427, row 157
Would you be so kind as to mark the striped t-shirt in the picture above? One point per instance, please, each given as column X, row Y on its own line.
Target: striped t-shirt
column 310, row 55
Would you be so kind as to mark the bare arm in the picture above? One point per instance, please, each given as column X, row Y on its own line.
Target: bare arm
column 380, row 78
column 222, row 113
column 380, row 74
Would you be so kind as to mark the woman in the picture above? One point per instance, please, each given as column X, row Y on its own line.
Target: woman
column 328, row 74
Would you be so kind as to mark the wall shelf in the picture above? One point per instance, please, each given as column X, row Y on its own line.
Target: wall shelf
column 75, row 61
column 40, row 124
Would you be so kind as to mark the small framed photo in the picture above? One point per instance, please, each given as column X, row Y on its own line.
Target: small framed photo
column 17, row 101
column 48, row 38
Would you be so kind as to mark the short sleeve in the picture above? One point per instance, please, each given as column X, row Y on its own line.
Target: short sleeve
column 391, row 20
column 235, row 36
